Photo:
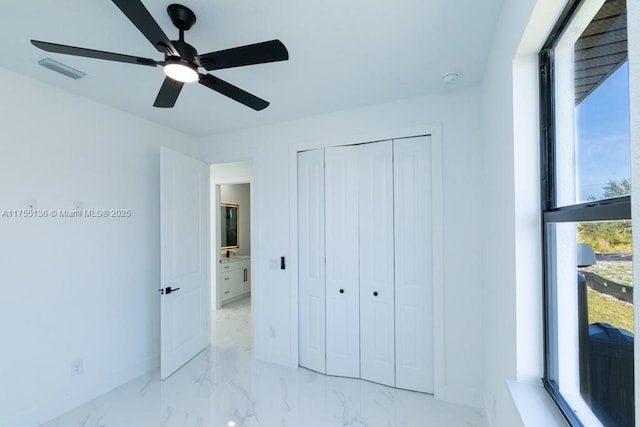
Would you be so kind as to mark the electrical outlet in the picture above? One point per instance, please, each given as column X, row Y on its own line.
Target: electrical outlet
column 76, row 367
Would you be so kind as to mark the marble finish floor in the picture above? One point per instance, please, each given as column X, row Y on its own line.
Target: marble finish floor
column 225, row 387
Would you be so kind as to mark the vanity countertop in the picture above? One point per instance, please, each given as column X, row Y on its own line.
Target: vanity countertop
column 224, row 259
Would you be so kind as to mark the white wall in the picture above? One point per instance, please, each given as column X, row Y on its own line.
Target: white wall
column 239, row 194
column 498, row 225
column 272, row 149
column 512, row 306
column 75, row 288
column 231, row 172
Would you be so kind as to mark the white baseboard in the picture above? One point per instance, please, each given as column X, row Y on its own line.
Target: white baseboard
column 460, row 395
column 65, row 400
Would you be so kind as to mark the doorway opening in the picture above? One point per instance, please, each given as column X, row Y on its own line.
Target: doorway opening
column 231, row 218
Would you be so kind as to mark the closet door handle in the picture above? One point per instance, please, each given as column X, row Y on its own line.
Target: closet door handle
column 245, row 275
column 342, row 291
column 375, row 293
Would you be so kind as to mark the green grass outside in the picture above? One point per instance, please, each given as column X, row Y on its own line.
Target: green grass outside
column 605, row 308
column 616, row 271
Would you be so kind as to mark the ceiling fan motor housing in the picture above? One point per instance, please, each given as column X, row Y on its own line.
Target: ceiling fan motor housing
column 185, row 50
column 183, row 18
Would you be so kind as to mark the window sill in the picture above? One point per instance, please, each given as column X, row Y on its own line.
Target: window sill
column 535, row 405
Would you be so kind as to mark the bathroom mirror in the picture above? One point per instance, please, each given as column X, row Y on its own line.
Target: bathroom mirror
column 229, row 224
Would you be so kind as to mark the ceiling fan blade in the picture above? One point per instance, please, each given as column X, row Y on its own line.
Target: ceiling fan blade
column 233, row 92
column 168, row 93
column 142, row 19
column 91, row 53
column 258, row 53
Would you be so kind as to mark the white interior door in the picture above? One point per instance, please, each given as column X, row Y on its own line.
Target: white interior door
column 375, row 194
column 185, row 299
column 413, row 265
column 311, row 267
column 342, row 275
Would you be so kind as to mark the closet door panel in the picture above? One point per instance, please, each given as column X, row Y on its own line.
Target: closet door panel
column 413, row 266
column 311, row 268
column 375, row 196
column 342, row 275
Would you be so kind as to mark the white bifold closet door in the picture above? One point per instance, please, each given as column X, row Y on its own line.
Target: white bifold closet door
column 375, row 200
column 413, row 264
column 342, row 274
column 311, row 253
column 365, row 262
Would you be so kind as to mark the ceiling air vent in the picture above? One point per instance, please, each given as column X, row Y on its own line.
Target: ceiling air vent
column 61, row 68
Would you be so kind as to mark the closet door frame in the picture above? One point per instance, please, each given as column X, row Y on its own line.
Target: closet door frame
column 435, row 132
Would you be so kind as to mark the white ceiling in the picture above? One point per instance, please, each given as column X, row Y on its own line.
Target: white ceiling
column 343, row 54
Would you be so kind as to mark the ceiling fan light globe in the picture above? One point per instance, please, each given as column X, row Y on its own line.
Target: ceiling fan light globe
column 181, row 72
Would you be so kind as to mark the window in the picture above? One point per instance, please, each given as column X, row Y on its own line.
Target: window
column 586, row 186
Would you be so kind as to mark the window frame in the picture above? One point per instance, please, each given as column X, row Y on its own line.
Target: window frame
column 618, row 208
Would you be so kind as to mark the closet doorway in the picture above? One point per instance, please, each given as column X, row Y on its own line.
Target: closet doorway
column 365, row 258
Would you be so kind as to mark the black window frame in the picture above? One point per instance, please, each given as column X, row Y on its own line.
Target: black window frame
column 618, row 208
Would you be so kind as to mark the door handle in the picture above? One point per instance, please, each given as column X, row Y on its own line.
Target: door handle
column 342, row 291
column 375, row 294
column 167, row 290
column 245, row 275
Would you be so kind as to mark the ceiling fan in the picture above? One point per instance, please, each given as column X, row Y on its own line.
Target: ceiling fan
column 181, row 60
